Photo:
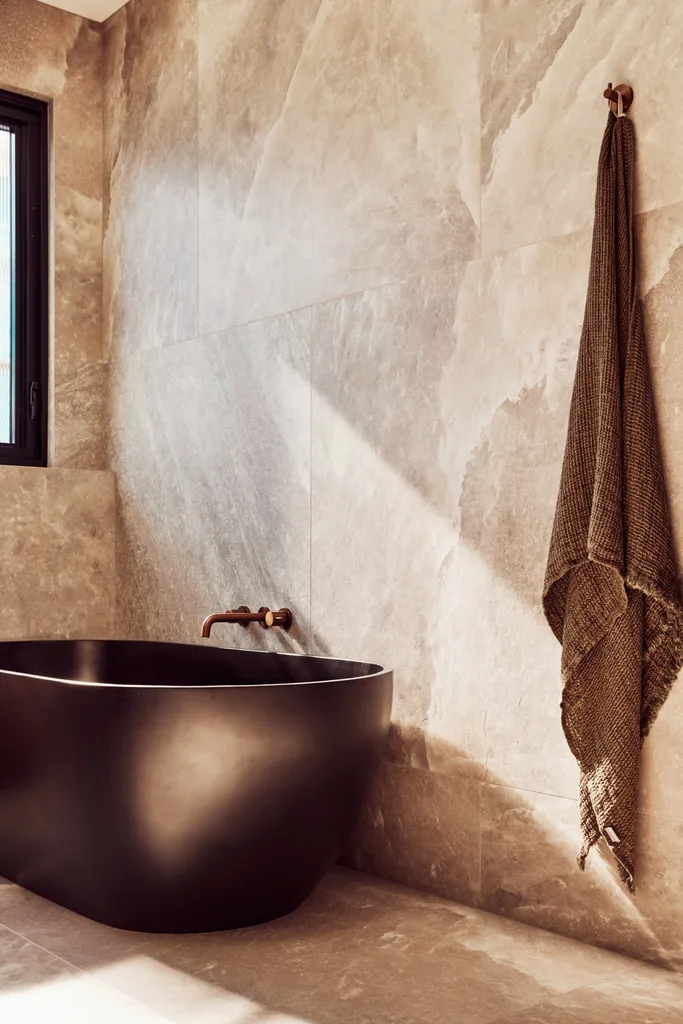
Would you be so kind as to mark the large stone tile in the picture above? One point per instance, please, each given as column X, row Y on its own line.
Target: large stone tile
column 559, row 964
column 182, row 996
column 73, row 999
column 78, row 413
column 440, row 492
column 544, row 68
column 58, row 56
column 340, row 148
column 660, row 237
column 422, row 829
column 75, row 940
column 56, row 553
column 383, row 495
column 77, row 217
column 529, row 843
column 248, row 55
column 150, row 242
column 659, row 881
column 210, row 440
column 37, row 986
column 661, row 778
column 23, row 964
column 642, row 998
column 350, row 955
column 511, row 379
column 657, row 994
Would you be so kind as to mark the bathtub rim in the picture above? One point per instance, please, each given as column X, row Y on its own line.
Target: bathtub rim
column 380, row 670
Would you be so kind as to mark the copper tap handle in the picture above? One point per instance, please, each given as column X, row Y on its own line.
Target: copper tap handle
column 283, row 619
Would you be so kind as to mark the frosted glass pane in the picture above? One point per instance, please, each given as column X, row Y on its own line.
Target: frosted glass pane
column 6, row 286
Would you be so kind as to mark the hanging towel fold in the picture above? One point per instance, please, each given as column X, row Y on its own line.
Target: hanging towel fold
column 611, row 593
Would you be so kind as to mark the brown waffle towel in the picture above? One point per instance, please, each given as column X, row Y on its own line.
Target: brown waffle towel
column 611, row 592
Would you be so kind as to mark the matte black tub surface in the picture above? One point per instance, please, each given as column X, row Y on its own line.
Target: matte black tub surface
column 162, row 787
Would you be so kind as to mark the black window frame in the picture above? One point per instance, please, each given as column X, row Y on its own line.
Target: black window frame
column 28, row 120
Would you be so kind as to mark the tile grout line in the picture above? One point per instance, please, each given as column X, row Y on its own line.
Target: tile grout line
column 32, row 942
column 57, row 956
column 481, row 782
column 437, row 267
column 88, row 972
column 206, row 335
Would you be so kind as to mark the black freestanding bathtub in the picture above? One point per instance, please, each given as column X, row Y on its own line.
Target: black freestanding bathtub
column 162, row 787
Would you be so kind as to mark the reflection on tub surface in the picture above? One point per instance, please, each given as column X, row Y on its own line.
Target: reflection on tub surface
column 197, row 765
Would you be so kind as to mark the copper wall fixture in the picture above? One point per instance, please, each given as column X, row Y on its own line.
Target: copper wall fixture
column 244, row 616
column 613, row 96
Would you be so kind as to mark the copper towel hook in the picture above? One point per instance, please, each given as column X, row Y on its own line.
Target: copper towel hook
column 613, row 96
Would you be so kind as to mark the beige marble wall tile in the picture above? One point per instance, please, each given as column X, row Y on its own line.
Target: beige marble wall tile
column 659, row 884
column 58, row 57
column 661, row 778
column 382, row 496
column 150, row 241
column 210, row 440
column 79, row 409
column 77, row 157
column 519, row 354
column 56, row 553
column 439, row 419
column 421, row 828
column 544, row 68
column 339, row 148
column 248, row 55
column 424, row 829
column 529, row 843
column 660, row 236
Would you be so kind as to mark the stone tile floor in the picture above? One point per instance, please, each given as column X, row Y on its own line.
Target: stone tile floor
column 360, row 951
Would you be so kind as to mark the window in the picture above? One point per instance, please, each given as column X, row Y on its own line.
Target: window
column 23, row 281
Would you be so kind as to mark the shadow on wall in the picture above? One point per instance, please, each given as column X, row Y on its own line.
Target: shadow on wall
column 511, row 853
column 509, row 492
column 481, row 469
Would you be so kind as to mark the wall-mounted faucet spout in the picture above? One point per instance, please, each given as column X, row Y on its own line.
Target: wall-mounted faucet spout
column 243, row 615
